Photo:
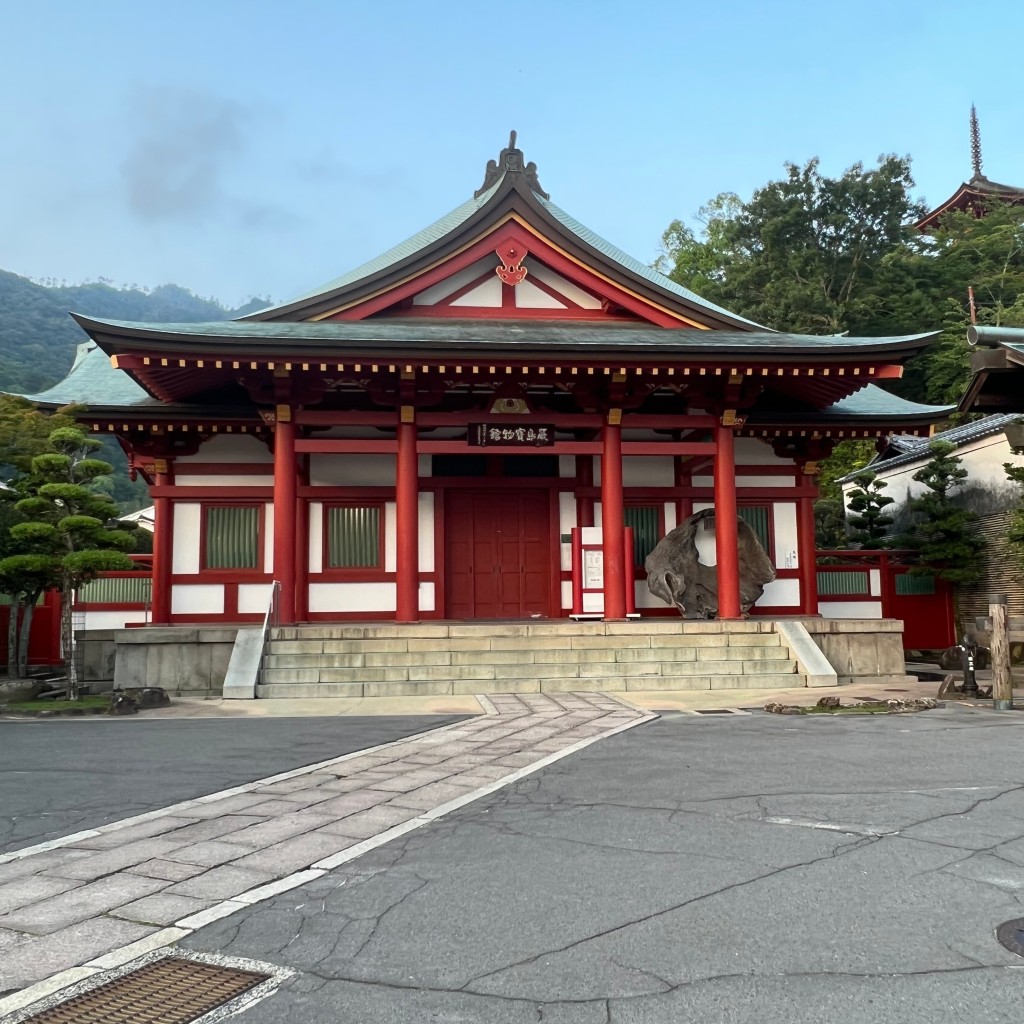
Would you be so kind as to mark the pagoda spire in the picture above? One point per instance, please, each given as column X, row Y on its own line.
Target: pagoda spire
column 975, row 143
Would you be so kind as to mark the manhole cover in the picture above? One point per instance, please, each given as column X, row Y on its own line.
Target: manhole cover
column 167, row 991
column 1011, row 935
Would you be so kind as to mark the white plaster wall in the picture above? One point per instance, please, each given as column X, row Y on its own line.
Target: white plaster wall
column 352, row 470
column 644, row 598
column 487, row 294
column 229, row 449
column 781, row 594
column 425, row 464
column 566, row 523
column 198, row 599
column 112, row 619
column 648, row 471
column 316, row 536
column 765, row 481
column 787, row 547
column 458, row 280
column 751, row 451
column 187, row 529
column 225, row 480
column 670, row 516
column 566, row 589
column 567, row 465
column 850, row 609
column 529, row 296
column 983, row 461
column 390, row 538
column 426, row 533
column 427, row 597
column 268, row 538
column 254, row 597
column 352, row 597
column 563, row 285
column 875, row 582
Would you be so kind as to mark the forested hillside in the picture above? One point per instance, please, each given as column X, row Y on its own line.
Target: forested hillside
column 38, row 338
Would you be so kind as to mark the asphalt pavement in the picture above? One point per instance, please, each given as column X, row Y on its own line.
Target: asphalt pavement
column 58, row 776
column 733, row 868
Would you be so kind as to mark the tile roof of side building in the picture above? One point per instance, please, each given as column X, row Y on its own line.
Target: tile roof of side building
column 915, row 449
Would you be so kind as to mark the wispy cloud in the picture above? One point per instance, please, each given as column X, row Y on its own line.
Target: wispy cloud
column 183, row 146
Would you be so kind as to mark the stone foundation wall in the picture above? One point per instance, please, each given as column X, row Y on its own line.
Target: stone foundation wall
column 187, row 661
column 861, row 650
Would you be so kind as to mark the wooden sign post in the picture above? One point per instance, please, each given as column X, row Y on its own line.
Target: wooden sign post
column 1002, row 681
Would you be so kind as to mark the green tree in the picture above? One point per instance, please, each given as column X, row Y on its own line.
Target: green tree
column 804, row 253
column 67, row 522
column 869, row 521
column 940, row 532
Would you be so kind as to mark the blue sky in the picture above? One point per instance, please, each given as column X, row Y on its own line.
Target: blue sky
column 249, row 147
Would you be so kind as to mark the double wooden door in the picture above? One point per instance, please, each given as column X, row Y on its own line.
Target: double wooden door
column 497, row 554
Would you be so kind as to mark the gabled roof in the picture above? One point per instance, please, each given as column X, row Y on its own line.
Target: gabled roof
column 511, row 191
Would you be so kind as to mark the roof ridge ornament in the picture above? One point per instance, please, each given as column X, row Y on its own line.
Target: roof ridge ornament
column 510, row 161
column 975, row 144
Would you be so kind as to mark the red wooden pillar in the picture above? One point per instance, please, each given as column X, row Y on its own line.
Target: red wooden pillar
column 407, row 521
column 584, row 479
column 284, row 512
column 163, row 545
column 302, row 545
column 806, row 551
column 612, row 523
column 726, row 532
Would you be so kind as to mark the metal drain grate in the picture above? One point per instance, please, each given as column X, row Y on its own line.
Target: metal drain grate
column 167, row 991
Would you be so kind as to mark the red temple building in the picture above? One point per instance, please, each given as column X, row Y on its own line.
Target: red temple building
column 425, row 437
column 975, row 195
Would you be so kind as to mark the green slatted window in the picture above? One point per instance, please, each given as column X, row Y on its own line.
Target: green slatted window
column 116, row 590
column 232, row 535
column 354, row 536
column 907, row 585
column 758, row 518
column 840, row 583
column 646, row 523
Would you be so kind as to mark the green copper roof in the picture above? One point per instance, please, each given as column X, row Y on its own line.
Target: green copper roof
column 449, row 222
column 872, row 400
column 635, row 266
column 93, row 381
column 416, row 335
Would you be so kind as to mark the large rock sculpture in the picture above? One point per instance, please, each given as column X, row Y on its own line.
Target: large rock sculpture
column 676, row 574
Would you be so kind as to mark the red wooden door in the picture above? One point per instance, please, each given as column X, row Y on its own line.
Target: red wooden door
column 497, row 554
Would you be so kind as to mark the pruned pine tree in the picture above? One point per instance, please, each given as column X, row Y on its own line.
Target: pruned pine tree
column 67, row 521
column 869, row 521
column 940, row 533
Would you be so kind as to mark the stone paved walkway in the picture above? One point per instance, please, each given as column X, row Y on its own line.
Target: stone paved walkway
column 93, row 901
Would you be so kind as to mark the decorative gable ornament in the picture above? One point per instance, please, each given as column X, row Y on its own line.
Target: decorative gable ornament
column 511, row 270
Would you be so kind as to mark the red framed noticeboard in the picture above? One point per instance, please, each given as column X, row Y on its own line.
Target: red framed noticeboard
column 588, row 573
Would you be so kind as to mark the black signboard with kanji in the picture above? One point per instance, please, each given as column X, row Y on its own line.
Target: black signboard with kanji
column 496, row 435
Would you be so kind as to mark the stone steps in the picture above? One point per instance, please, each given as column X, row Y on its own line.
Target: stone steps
column 464, row 658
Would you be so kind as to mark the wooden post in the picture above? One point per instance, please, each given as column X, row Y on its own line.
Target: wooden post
column 612, row 521
column 1002, row 681
column 806, row 551
column 284, row 511
column 584, row 478
column 727, row 552
column 407, row 521
column 163, row 546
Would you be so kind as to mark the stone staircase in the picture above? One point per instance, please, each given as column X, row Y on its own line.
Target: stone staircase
column 388, row 660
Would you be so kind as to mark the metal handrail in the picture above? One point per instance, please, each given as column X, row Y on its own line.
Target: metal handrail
column 271, row 619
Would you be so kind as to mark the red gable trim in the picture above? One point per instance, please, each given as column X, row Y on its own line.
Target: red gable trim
column 540, row 248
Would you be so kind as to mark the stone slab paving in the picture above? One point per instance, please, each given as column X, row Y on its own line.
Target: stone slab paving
column 94, row 901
